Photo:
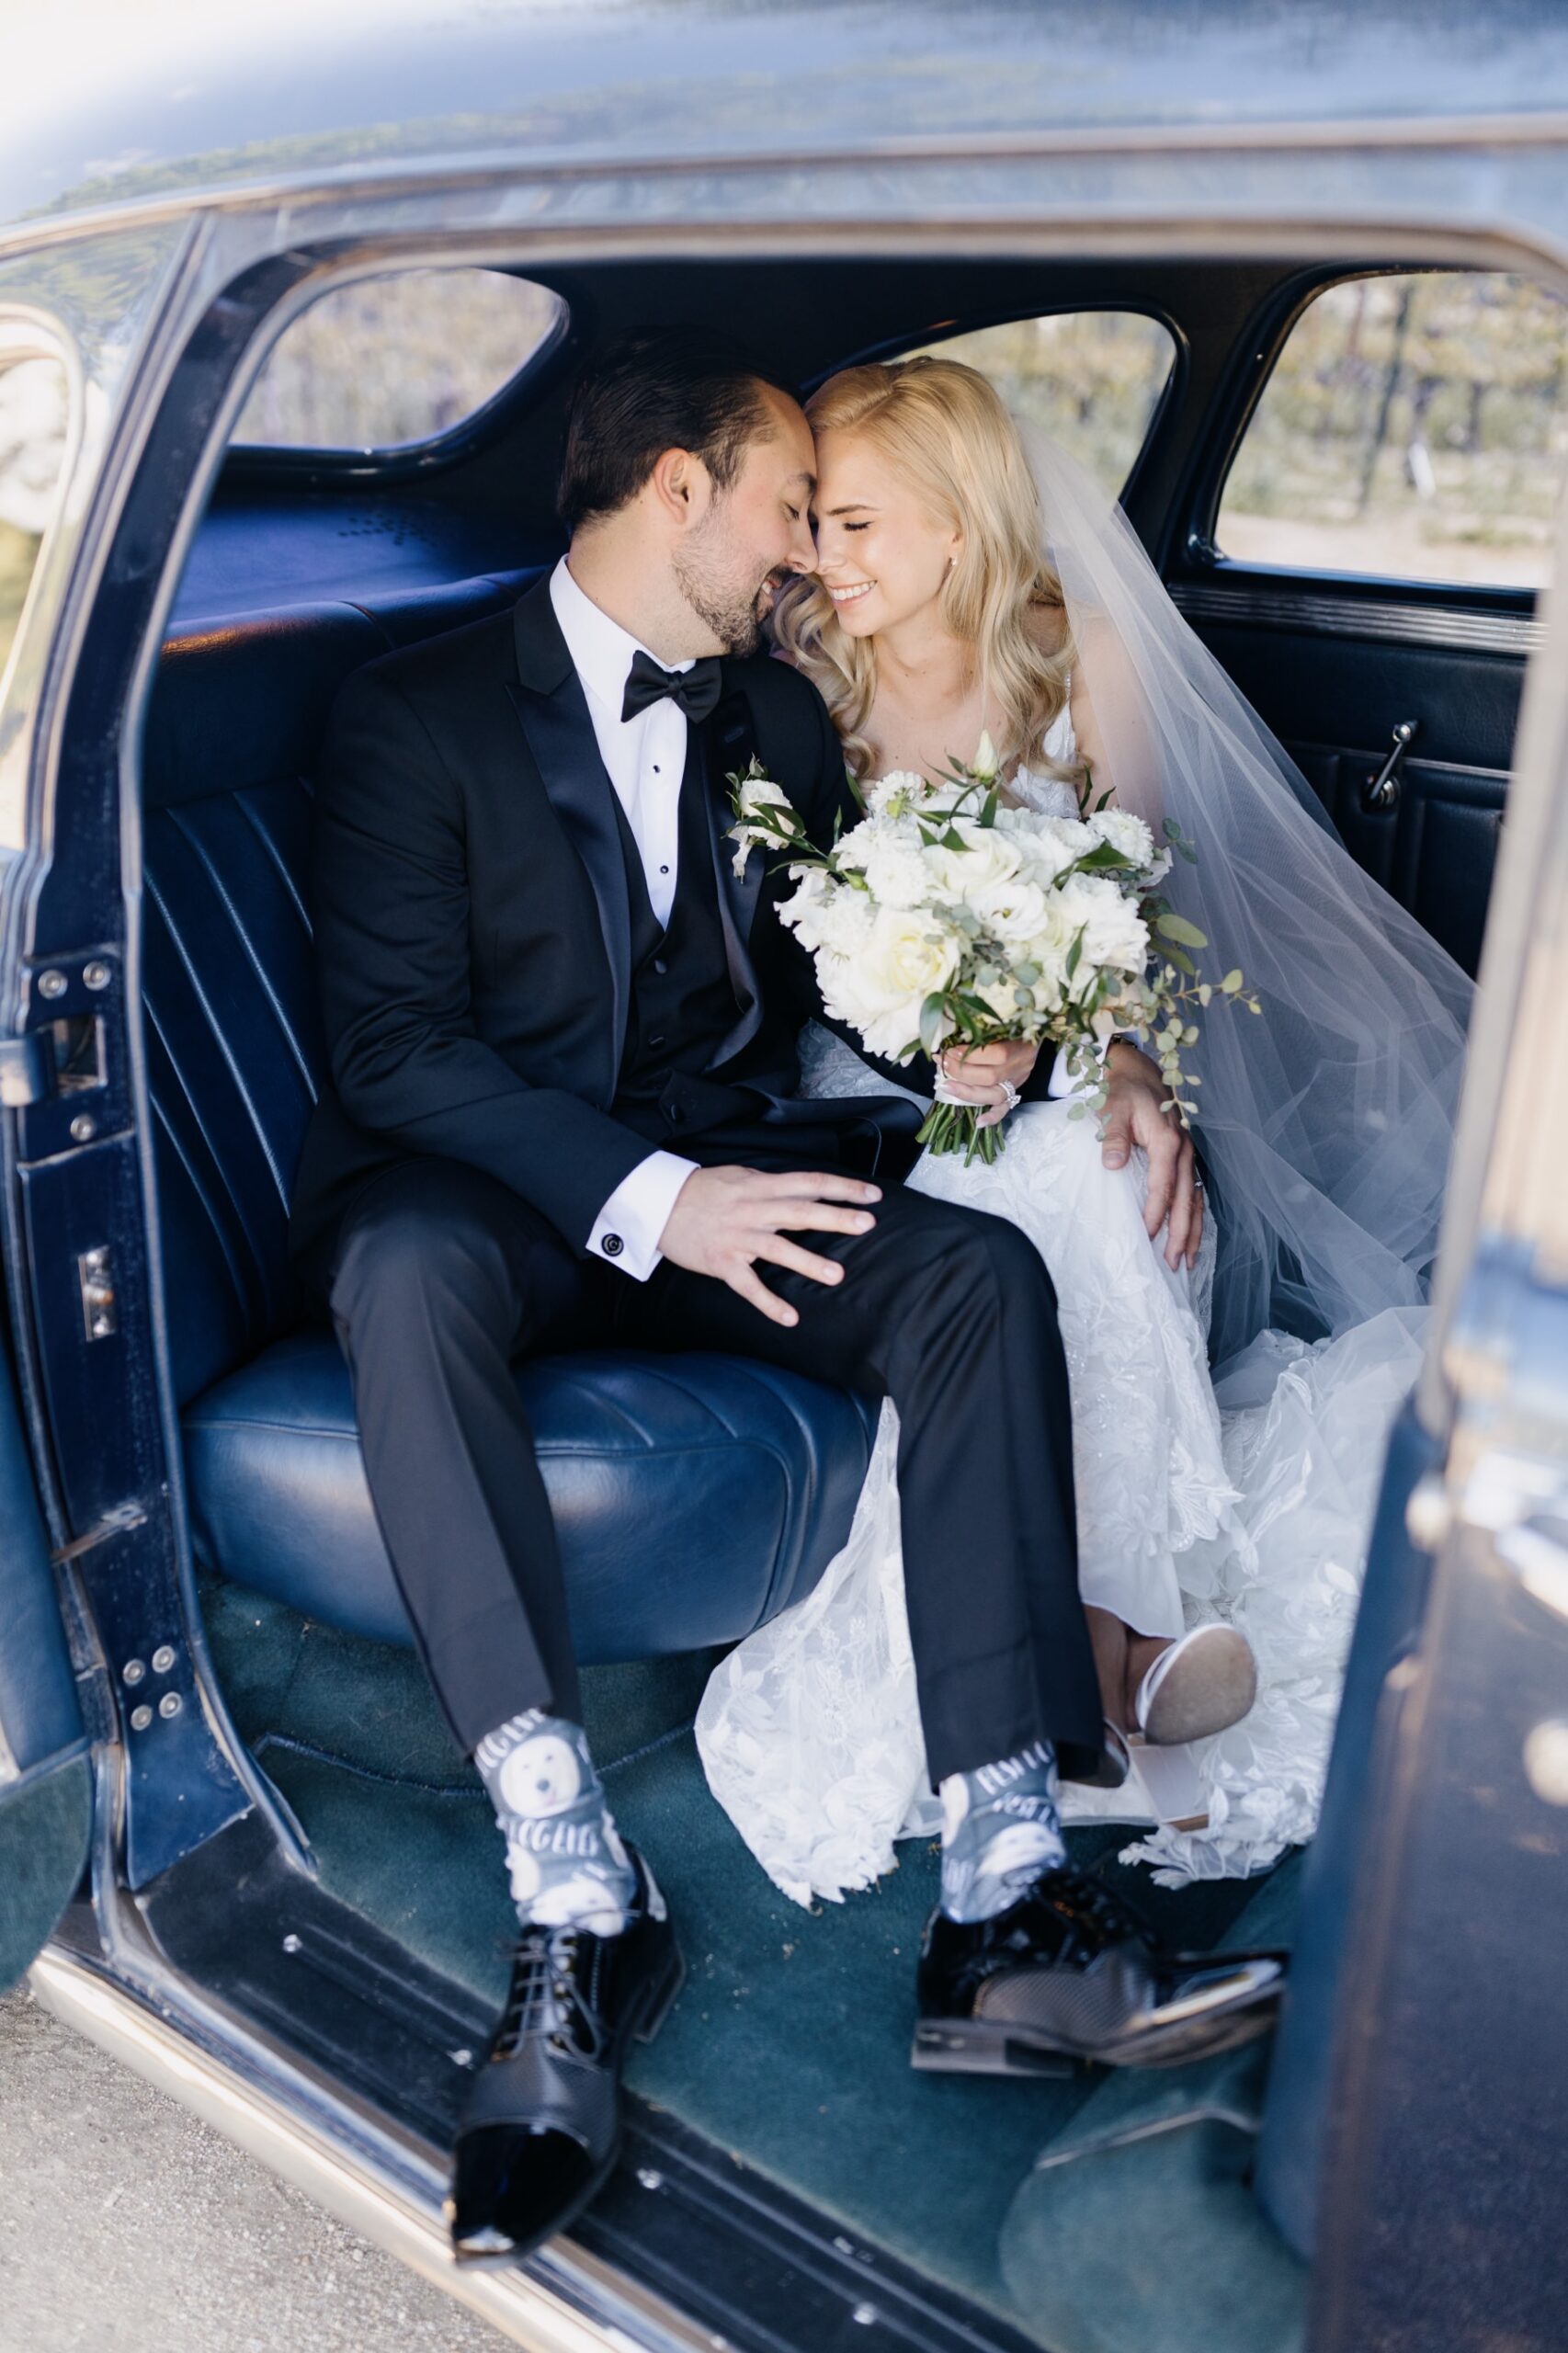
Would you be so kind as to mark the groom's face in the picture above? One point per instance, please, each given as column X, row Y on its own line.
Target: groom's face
column 730, row 565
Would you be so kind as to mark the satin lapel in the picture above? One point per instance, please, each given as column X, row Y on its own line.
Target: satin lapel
column 729, row 742
column 561, row 737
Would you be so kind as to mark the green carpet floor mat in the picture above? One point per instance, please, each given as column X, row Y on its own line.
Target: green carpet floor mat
column 789, row 2044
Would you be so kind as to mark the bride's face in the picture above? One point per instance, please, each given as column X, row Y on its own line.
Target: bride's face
column 882, row 555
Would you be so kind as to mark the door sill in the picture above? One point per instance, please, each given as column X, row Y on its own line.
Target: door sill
column 285, row 2019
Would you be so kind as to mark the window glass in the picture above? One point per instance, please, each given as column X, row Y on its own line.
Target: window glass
column 1414, row 427
column 1090, row 377
column 397, row 360
column 32, row 450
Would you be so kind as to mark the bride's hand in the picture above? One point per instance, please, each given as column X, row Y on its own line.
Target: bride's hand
column 1134, row 1092
column 983, row 1073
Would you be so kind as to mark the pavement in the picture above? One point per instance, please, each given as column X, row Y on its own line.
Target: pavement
column 128, row 2226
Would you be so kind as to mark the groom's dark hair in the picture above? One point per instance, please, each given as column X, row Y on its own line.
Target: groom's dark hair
column 658, row 388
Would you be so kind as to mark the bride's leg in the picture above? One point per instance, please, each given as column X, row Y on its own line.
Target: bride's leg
column 1108, row 1638
column 1122, row 1658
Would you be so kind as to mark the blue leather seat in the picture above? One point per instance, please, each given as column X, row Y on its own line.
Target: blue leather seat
column 696, row 1496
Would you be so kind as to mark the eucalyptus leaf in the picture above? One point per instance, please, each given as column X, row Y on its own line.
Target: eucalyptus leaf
column 1171, row 926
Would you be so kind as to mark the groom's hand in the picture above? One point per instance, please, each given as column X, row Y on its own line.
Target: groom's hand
column 725, row 1220
column 1134, row 1093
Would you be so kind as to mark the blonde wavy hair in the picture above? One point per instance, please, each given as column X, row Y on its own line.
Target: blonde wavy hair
column 948, row 432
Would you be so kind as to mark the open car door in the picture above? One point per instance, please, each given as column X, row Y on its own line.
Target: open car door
column 45, row 1772
column 46, row 1792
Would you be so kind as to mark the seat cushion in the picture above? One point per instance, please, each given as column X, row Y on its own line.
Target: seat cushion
column 694, row 1496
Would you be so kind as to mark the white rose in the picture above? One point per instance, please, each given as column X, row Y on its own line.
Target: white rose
column 1049, row 944
column 987, row 858
column 1002, row 996
column 880, row 989
column 908, row 955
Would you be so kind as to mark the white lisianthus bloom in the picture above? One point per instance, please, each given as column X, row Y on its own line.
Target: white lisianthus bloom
column 1049, row 845
column 985, row 762
column 1115, row 934
column 752, row 825
column 827, row 914
column 1012, row 911
column 813, row 888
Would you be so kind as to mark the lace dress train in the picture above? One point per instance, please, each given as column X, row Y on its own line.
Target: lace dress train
column 1248, row 1503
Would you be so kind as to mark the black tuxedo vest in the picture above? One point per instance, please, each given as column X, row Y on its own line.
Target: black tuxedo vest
column 681, row 1005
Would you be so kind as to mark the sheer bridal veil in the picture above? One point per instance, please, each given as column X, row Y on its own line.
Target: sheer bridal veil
column 1325, row 1122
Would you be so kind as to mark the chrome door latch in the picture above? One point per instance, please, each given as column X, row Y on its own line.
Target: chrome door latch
column 27, row 1070
column 1382, row 791
column 100, row 1310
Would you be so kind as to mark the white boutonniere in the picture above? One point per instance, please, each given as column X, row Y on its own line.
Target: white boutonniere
column 764, row 818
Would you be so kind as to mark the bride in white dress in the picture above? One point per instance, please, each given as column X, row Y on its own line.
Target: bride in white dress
column 1241, row 1498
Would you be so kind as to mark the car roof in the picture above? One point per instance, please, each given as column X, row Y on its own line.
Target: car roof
column 116, row 107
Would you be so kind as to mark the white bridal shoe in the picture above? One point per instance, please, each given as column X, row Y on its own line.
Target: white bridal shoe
column 1201, row 1685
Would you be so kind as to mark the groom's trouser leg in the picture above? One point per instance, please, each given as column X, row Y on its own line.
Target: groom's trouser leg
column 952, row 1314
column 439, row 1278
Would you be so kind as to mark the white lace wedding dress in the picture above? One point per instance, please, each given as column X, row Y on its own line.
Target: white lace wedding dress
column 1251, row 1503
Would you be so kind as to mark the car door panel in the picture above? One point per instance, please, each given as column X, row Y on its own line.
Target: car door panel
column 45, row 1780
column 1334, row 699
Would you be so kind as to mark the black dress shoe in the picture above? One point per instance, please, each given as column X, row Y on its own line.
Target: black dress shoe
column 1070, row 1973
column 540, row 2130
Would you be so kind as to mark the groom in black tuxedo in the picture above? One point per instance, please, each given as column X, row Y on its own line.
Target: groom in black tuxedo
column 562, row 1114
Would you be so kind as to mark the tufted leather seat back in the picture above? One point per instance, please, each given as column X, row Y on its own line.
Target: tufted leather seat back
column 234, row 1042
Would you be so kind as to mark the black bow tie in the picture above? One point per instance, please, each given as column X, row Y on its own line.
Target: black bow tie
column 696, row 690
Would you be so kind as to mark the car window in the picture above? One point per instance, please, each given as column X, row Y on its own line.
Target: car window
column 1091, row 379
column 1414, row 427
column 32, row 450
column 395, row 360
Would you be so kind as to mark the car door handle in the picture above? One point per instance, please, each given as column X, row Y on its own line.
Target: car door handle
column 1382, row 791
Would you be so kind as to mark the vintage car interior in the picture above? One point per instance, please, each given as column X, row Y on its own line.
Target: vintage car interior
column 789, row 2177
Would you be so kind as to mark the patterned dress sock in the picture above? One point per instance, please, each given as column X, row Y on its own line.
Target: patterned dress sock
column 1001, row 1828
column 566, row 1860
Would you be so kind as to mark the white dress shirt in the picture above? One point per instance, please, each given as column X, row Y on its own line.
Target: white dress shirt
column 645, row 757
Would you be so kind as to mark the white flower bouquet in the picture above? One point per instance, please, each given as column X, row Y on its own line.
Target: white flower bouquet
column 945, row 917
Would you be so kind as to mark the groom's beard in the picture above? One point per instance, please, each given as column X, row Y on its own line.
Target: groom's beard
column 735, row 615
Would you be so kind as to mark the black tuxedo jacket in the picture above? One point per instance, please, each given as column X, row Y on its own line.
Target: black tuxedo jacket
column 472, row 919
